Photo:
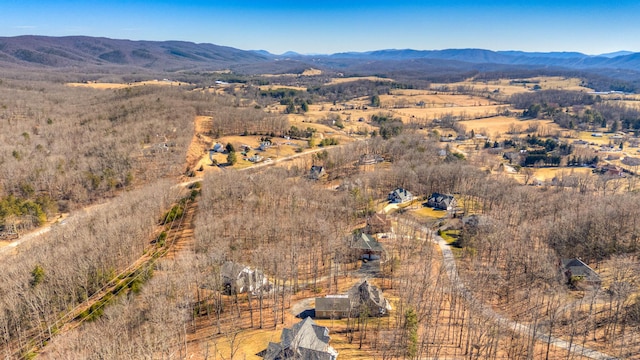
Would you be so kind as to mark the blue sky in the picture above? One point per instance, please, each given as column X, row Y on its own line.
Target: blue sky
column 587, row 26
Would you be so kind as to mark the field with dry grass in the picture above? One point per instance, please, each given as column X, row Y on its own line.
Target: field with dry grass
column 499, row 126
column 105, row 86
column 509, row 87
column 342, row 80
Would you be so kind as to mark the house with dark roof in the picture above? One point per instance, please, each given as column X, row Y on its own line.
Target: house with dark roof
column 576, row 271
column 264, row 145
column 304, row 340
column 399, row 196
column 317, row 172
column 366, row 246
column 441, row 201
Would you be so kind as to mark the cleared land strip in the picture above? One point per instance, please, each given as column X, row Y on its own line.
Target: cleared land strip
column 122, row 283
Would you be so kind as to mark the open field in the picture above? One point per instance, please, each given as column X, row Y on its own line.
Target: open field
column 343, row 80
column 510, row 87
column 547, row 174
column 501, row 125
column 306, row 72
column 276, row 87
column 103, row 86
column 629, row 103
column 603, row 139
column 428, row 213
column 432, row 113
column 431, row 99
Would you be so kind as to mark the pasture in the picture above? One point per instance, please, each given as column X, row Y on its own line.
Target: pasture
column 109, row 86
column 499, row 126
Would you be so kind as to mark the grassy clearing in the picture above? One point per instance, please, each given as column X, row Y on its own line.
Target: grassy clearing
column 498, row 126
column 105, row 86
column 508, row 87
column 335, row 81
column 598, row 140
column 547, row 174
column 432, row 99
column 450, row 236
column 287, row 87
column 429, row 213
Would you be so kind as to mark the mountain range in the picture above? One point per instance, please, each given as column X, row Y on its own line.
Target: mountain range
column 170, row 56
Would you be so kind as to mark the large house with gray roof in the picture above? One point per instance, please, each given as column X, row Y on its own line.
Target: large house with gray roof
column 304, row 340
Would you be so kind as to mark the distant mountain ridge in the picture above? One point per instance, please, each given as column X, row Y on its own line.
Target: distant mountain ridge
column 79, row 52
column 75, row 51
column 571, row 60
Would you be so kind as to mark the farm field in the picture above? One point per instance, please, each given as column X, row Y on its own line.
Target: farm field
column 105, row 86
column 432, row 99
column 499, row 126
column 547, row 174
column 510, row 87
column 342, row 80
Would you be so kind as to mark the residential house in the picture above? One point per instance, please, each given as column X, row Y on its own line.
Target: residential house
column 370, row 159
column 369, row 297
column 238, row 278
column 361, row 297
column 304, row 340
column 441, row 201
column 611, row 170
column 367, row 247
column 333, row 307
column 256, row 158
column 577, row 271
column 218, row 147
column 399, row 196
column 378, row 223
column 264, row 145
column 317, row 172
